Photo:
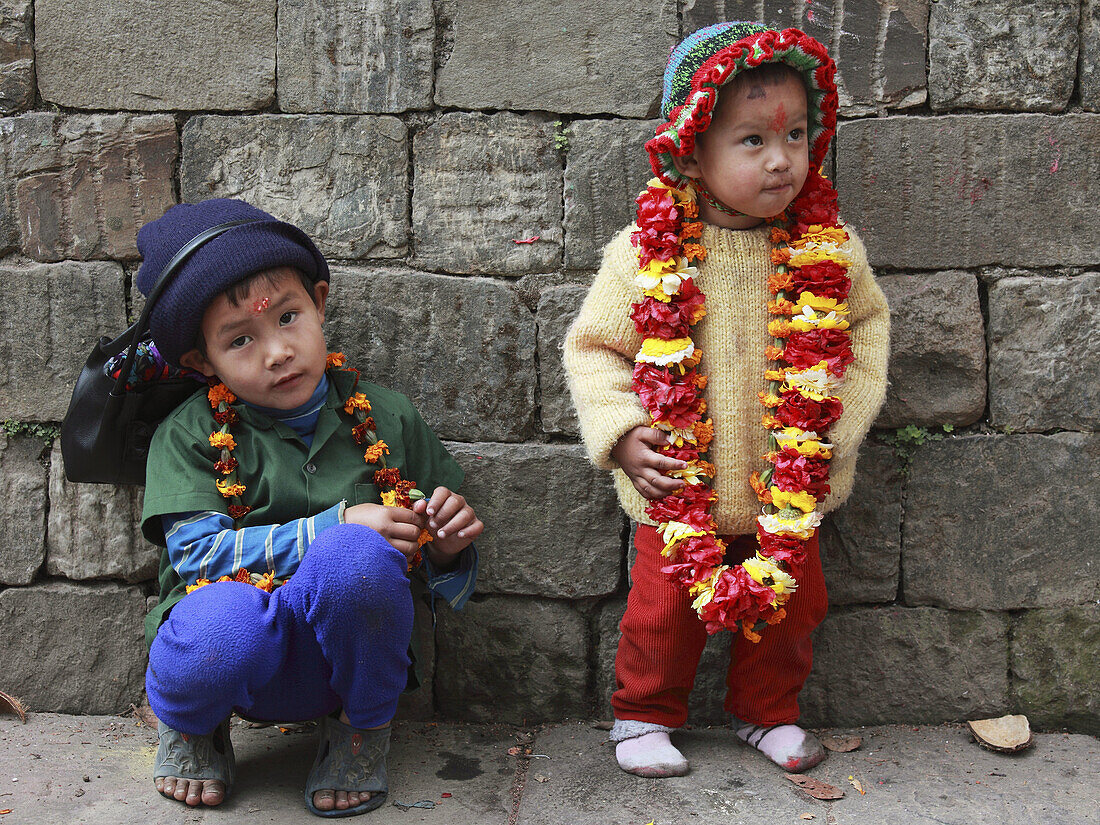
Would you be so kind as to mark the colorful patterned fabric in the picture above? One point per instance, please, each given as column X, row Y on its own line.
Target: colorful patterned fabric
column 148, row 365
column 706, row 60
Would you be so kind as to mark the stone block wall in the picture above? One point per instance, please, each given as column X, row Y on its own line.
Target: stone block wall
column 462, row 163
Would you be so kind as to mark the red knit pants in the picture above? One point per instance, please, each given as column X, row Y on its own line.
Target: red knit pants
column 662, row 640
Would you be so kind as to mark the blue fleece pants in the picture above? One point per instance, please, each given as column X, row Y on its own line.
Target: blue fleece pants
column 336, row 635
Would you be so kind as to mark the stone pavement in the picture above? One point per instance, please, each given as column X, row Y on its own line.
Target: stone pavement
column 95, row 770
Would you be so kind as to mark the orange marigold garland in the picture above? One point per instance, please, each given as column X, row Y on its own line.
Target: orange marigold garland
column 810, row 351
column 395, row 491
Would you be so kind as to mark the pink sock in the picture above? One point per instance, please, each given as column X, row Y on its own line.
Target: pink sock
column 788, row 746
column 652, row 755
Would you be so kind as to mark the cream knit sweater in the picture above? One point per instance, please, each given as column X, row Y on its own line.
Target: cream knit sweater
column 601, row 344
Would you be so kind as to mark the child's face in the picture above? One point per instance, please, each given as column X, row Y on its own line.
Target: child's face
column 270, row 349
column 754, row 157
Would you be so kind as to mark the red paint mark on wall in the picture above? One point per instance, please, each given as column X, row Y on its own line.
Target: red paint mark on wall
column 1055, row 145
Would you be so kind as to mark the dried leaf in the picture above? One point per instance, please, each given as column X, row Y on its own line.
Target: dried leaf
column 841, row 744
column 603, row 725
column 10, row 704
column 857, row 785
column 815, row 787
column 144, row 715
column 1006, row 734
column 807, row 816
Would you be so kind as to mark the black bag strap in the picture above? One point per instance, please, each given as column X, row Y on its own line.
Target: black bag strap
column 166, row 276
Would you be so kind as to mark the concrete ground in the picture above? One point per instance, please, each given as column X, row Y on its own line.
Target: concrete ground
column 96, row 770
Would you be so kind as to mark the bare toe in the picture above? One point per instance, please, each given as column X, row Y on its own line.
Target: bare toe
column 324, row 800
column 342, row 800
column 194, row 792
column 213, row 792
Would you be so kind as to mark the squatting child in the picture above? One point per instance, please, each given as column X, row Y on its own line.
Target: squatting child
column 734, row 327
column 290, row 486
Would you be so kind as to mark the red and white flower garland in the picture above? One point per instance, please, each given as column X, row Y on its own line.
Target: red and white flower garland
column 810, row 351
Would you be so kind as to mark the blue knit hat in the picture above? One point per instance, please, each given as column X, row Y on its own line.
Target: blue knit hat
column 708, row 59
column 216, row 265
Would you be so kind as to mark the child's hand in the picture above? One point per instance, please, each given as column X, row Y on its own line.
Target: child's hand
column 636, row 452
column 451, row 521
column 398, row 526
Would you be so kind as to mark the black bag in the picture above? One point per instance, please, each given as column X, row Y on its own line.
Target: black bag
column 107, row 429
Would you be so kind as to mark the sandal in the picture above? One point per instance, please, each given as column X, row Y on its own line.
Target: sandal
column 196, row 757
column 349, row 759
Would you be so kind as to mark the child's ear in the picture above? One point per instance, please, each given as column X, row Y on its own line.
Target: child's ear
column 687, row 165
column 194, row 360
column 320, row 294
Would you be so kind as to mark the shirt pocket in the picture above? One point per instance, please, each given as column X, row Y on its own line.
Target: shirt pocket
column 367, row 494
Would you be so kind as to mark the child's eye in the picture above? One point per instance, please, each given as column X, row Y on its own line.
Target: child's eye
column 239, row 341
column 797, row 134
column 753, row 140
column 287, row 317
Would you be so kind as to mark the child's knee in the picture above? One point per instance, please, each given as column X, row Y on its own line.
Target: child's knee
column 354, row 566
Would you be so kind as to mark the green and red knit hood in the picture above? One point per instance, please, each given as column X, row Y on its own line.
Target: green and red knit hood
column 706, row 60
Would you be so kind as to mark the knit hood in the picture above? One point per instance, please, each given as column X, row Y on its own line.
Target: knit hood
column 707, row 60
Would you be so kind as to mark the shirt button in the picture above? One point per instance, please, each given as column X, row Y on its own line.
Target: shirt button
column 311, row 468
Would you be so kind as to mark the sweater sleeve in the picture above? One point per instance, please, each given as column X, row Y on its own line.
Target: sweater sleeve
column 205, row 545
column 864, row 387
column 599, row 354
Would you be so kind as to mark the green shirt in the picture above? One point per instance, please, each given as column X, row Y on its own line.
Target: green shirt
column 284, row 479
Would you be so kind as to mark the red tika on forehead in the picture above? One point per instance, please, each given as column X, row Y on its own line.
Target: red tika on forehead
column 260, row 305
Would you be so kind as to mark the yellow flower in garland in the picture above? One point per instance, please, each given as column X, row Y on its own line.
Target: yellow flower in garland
column 802, row 525
column 816, row 383
column 375, row 451
column 818, row 235
column 805, row 442
column 674, row 532
column 661, row 352
column 801, row 499
column 223, row 441
column 389, row 498
column 808, row 299
column 808, row 319
column 357, row 401
column 229, row 490
column 767, row 572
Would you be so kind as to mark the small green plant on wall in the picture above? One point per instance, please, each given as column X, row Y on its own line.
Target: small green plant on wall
column 905, row 441
column 47, row 432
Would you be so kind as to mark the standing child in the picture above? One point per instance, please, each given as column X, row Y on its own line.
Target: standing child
column 737, row 287
column 290, row 486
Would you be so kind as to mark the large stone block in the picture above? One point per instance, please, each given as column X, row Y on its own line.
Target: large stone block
column 889, row 665
column 990, row 522
column 1088, row 70
column 363, row 56
column 73, row 648
column 94, row 530
column 558, row 56
column 879, row 47
column 552, row 521
column 605, row 169
column 16, row 55
column 487, row 194
column 54, row 314
column 558, row 307
column 1055, row 658
column 861, row 541
column 1006, row 54
column 80, row 186
column 512, row 660
column 1044, row 356
column 937, row 350
column 943, row 192
column 342, row 180
column 23, row 487
column 462, row 349
column 151, row 56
